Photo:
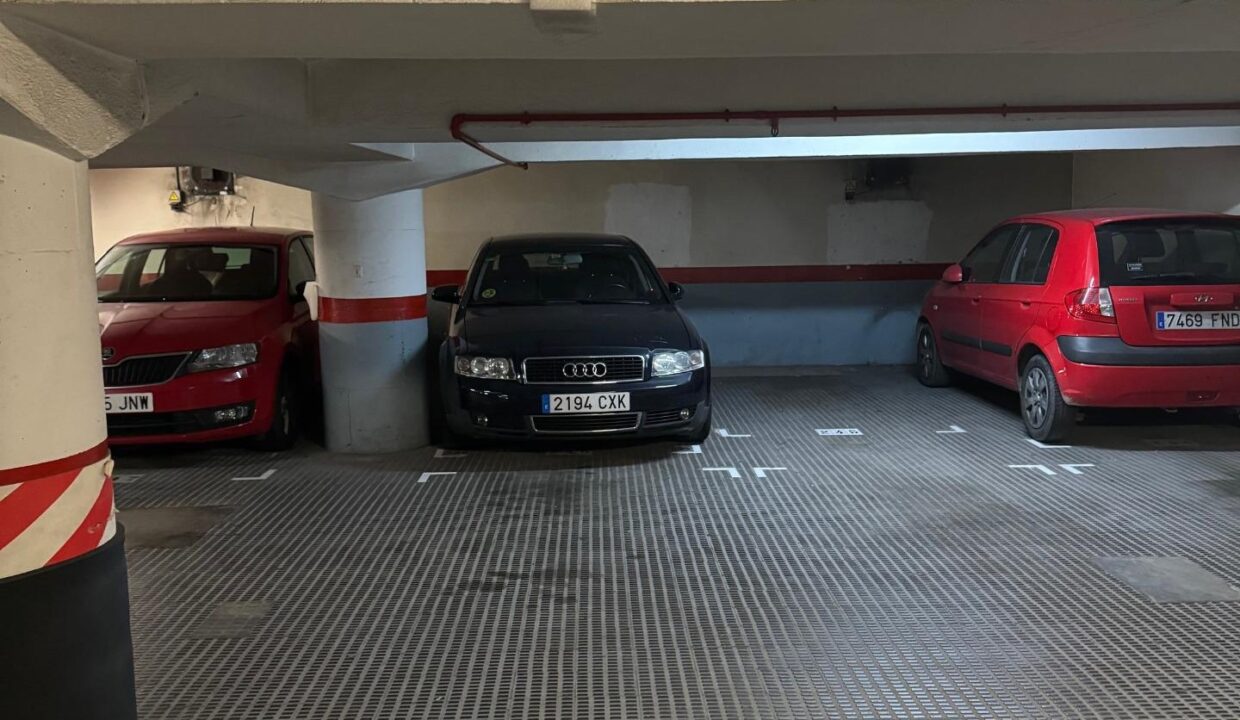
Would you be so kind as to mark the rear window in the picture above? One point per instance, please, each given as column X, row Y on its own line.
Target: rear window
column 1169, row 252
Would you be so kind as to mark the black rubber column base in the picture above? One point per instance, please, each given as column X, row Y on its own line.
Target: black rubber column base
column 65, row 649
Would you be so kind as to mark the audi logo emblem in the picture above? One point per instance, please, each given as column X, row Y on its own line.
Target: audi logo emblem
column 584, row 369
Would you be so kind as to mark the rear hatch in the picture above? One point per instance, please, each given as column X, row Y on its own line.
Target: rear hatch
column 1173, row 281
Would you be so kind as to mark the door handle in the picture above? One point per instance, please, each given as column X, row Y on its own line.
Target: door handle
column 977, row 300
column 1026, row 304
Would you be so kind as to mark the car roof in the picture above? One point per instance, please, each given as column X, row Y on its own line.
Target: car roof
column 221, row 235
column 538, row 241
column 1101, row 216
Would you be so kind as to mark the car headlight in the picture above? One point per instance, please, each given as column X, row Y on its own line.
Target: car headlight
column 484, row 367
column 674, row 362
column 218, row 358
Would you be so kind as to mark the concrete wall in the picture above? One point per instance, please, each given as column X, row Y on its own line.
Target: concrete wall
column 128, row 202
column 1206, row 180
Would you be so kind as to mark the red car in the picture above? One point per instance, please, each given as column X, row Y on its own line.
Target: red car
column 206, row 336
column 1093, row 308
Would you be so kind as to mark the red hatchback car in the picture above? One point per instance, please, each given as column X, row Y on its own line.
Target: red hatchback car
column 206, row 336
column 1093, row 308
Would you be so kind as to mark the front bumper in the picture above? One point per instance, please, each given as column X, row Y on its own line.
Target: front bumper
column 514, row 410
column 184, row 408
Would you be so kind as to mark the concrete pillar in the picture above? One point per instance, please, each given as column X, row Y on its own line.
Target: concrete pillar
column 371, row 261
column 64, row 603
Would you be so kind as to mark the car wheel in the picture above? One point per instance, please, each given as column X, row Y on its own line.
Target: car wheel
column 930, row 369
column 1047, row 417
column 286, row 417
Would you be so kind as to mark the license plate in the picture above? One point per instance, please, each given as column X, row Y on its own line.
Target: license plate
column 120, row 403
column 585, row 403
column 1203, row 320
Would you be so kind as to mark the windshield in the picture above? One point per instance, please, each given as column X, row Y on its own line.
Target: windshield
column 1169, row 252
column 604, row 275
column 157, row 273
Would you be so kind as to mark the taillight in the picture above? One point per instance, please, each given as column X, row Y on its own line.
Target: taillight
column 1091, row 304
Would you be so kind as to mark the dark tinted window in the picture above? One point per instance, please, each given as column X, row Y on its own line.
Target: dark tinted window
column 1031, row 263
column 1169, row 252
column 138, row 273
column 586, row 274
column 986, row 260
column 300, row 265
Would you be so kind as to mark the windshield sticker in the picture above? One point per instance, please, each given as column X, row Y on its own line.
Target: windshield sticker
column 1136, row 267
column 488, row 293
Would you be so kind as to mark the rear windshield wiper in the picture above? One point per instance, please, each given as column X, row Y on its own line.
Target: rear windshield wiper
column 1180, row 276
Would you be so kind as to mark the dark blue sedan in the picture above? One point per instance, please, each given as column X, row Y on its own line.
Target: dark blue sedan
column 571, row 336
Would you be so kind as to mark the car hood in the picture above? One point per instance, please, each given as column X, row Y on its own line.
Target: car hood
column 157, row 327
column 551, row 329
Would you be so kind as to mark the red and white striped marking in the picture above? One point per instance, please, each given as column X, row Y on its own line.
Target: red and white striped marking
column 50, row 513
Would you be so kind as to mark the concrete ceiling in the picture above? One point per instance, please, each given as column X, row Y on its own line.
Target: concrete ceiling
column 355, row 98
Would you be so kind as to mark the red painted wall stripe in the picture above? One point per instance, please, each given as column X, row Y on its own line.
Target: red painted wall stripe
column 53, row 467
column 763, row 274
column 27, row 503
column 88, row 535
column 363, row 310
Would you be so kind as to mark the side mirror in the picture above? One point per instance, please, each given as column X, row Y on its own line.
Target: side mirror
column 447, row 293
column 676, row 289
column 953, row 275
column 309, row 291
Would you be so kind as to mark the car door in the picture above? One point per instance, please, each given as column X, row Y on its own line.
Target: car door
column 305, row 331
column 1013, row 304
column 960, row 314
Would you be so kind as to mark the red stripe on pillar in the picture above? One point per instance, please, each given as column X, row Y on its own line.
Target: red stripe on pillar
column 53, row 467
column 763, row 274
column 20, row 508
column 89, row 534
column 363, row 310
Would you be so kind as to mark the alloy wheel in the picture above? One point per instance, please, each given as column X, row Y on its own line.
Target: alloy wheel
column 925, row 354
column 1036, row 395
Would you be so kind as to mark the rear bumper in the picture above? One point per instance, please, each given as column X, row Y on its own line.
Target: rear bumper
column 185, row 408
column 1113, row 351
column 1170, row 383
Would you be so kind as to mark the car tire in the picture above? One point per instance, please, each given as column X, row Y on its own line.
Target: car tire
column 1047, row 417
column 286, row 417
column 930, row 369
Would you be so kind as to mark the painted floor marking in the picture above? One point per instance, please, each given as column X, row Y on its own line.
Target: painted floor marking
column 760, row 472
column 693, row 450
column 126, row 478
column 264, row 476
column 428, row 475
column 954, row 429
column 838, row 432
column 1044, row 446
column 723, row 432
column 1073, row 468
column 731, row 471
column 441, row 454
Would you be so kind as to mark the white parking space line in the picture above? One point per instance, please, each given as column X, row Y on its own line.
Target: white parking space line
column 441, row 454
column 838, row 432
column 954, row 430
column 428, row 475
column 692, row 450
column 1073, row 468
column 760, row 472
column 264, row 476
column 731, row 471
column 1042, row 468
column 1044, row 446
column 125, row 478
column 723, row 432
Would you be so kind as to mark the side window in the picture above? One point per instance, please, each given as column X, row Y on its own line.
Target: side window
column 308, row 242
column 1031, row 263
column 300, row 266
column 986, row 261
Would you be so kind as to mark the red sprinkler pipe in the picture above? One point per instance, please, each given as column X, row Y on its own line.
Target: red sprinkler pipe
column 773, row 117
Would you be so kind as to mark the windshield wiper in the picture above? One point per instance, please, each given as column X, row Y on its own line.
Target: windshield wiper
column 1179, row 276
column 612, row 302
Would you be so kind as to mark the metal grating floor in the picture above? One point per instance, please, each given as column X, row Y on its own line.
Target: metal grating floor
column 904, row 572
